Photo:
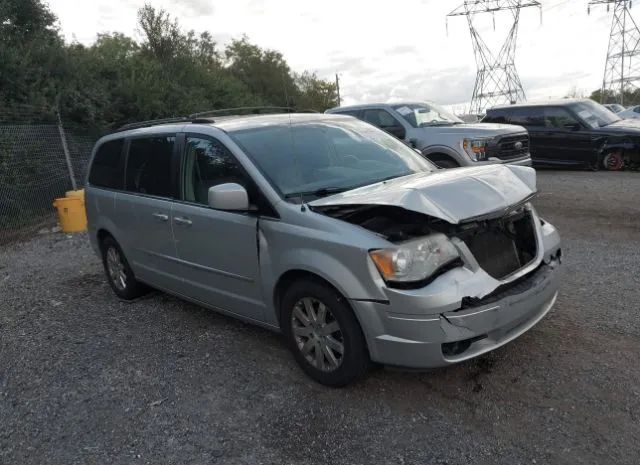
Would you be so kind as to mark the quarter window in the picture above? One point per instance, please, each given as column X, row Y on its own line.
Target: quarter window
column 107, row 169
column 208, row 163
column 149, row 165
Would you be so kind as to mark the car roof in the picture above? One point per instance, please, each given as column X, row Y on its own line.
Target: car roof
column 231, row 123
column 368, row 105
column 542, row 103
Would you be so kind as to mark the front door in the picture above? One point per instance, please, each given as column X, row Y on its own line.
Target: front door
column 217, row 250
column 567, row 140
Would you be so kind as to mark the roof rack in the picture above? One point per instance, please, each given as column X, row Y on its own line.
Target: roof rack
column 205, row 117
column 244, row 110
column 152, row 122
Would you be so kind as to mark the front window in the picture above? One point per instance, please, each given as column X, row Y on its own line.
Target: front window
column 319, row 158
column 207, row 163
column 594, row 114
column 420, row 115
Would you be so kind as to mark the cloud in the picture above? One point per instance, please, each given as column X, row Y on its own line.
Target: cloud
column 194, row 7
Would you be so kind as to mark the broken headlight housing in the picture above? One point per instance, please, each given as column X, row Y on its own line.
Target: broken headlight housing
column 475, row 148
column 415, row 260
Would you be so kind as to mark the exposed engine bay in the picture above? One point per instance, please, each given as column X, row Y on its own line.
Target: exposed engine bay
column 501, row 245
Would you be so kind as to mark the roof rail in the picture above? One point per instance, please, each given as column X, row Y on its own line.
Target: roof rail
column 248, row 111
column 152, row 122
column 205, row 117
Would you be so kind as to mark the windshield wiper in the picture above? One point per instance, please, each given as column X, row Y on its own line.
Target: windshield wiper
column 318, row 192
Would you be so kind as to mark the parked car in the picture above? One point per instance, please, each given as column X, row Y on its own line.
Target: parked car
column 574, row 133
column 614, row 107
column 630, row 113
column 442, row 137
column 329, row 230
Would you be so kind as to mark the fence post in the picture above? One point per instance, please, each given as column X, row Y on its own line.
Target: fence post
column 67, row 156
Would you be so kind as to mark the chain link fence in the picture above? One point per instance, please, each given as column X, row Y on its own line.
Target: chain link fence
column 40, row 159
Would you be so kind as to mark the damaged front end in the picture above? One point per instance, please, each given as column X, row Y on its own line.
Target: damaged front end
column 501, row 246
column 485, row 275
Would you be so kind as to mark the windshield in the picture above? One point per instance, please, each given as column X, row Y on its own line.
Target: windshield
column 323, row 157
column 423, row 114
column 594, row 114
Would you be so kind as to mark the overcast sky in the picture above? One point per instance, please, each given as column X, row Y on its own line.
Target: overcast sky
column 383, row 50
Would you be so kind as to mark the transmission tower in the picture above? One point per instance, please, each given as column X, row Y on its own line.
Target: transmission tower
column 497, row 81
column 622, row 69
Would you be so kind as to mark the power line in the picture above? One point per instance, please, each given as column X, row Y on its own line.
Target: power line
column 622, row 68
column 497, row 80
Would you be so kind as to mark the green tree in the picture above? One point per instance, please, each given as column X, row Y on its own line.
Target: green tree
column 315, row 93
column 264, row 72
column 631, row 96
column 117, row 80
column 31, row 54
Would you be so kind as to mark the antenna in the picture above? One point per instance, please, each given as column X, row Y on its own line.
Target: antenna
column 622, row 69
column 497, row 81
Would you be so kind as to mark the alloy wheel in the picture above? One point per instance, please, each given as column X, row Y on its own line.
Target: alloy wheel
column 317, row 334
column 116, row 269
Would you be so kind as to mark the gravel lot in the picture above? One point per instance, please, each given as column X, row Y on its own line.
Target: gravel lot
column 88, row 379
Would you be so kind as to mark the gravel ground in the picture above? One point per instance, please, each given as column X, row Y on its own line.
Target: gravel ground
column 88, row 379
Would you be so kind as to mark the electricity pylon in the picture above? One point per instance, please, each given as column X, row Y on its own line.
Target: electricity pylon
column 497, row 80
column 622, row 69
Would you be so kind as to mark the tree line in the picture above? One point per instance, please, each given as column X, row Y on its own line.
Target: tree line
column 117, row 79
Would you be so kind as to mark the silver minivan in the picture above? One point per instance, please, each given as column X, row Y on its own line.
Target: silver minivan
column 329, row 230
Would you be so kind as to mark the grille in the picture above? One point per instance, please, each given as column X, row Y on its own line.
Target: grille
column 510, row 147
column 504, row 245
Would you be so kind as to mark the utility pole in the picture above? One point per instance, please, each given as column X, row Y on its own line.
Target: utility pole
column 497, row 81
column 338, row 88
column 65, row 149
column 622, row 68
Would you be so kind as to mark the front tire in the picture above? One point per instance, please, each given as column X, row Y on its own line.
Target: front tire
column 323, row 333
column 119, row 273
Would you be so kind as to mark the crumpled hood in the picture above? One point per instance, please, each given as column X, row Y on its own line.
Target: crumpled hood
column 629, row 127
column 453, row 195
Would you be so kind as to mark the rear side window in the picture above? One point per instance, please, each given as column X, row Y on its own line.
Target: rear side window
column 107, row 169
column 149, row 165
column 524, row 116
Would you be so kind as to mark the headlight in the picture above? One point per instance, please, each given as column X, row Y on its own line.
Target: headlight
column 414, row 260
column 476, row 148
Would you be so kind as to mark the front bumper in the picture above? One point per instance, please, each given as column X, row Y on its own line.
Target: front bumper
column 437, row 326
column 520, row 161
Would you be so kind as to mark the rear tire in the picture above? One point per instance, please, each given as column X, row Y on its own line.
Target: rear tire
column 323, row 333
column 119, row 273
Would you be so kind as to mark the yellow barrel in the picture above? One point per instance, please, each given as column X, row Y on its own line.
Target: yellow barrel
column 71, row 214
column 78, row 193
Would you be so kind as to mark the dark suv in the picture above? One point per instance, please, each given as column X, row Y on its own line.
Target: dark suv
column 574, row 133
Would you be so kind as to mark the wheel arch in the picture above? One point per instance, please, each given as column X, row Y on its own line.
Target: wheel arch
column 441, row 152
column 289, row 277
column 102, row 234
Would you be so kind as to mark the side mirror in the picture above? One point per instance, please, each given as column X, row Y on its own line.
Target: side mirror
column 572, row 126
column 229, row 196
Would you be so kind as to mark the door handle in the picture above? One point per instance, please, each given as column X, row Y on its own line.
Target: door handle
column 182, row 221
column 160, row 216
